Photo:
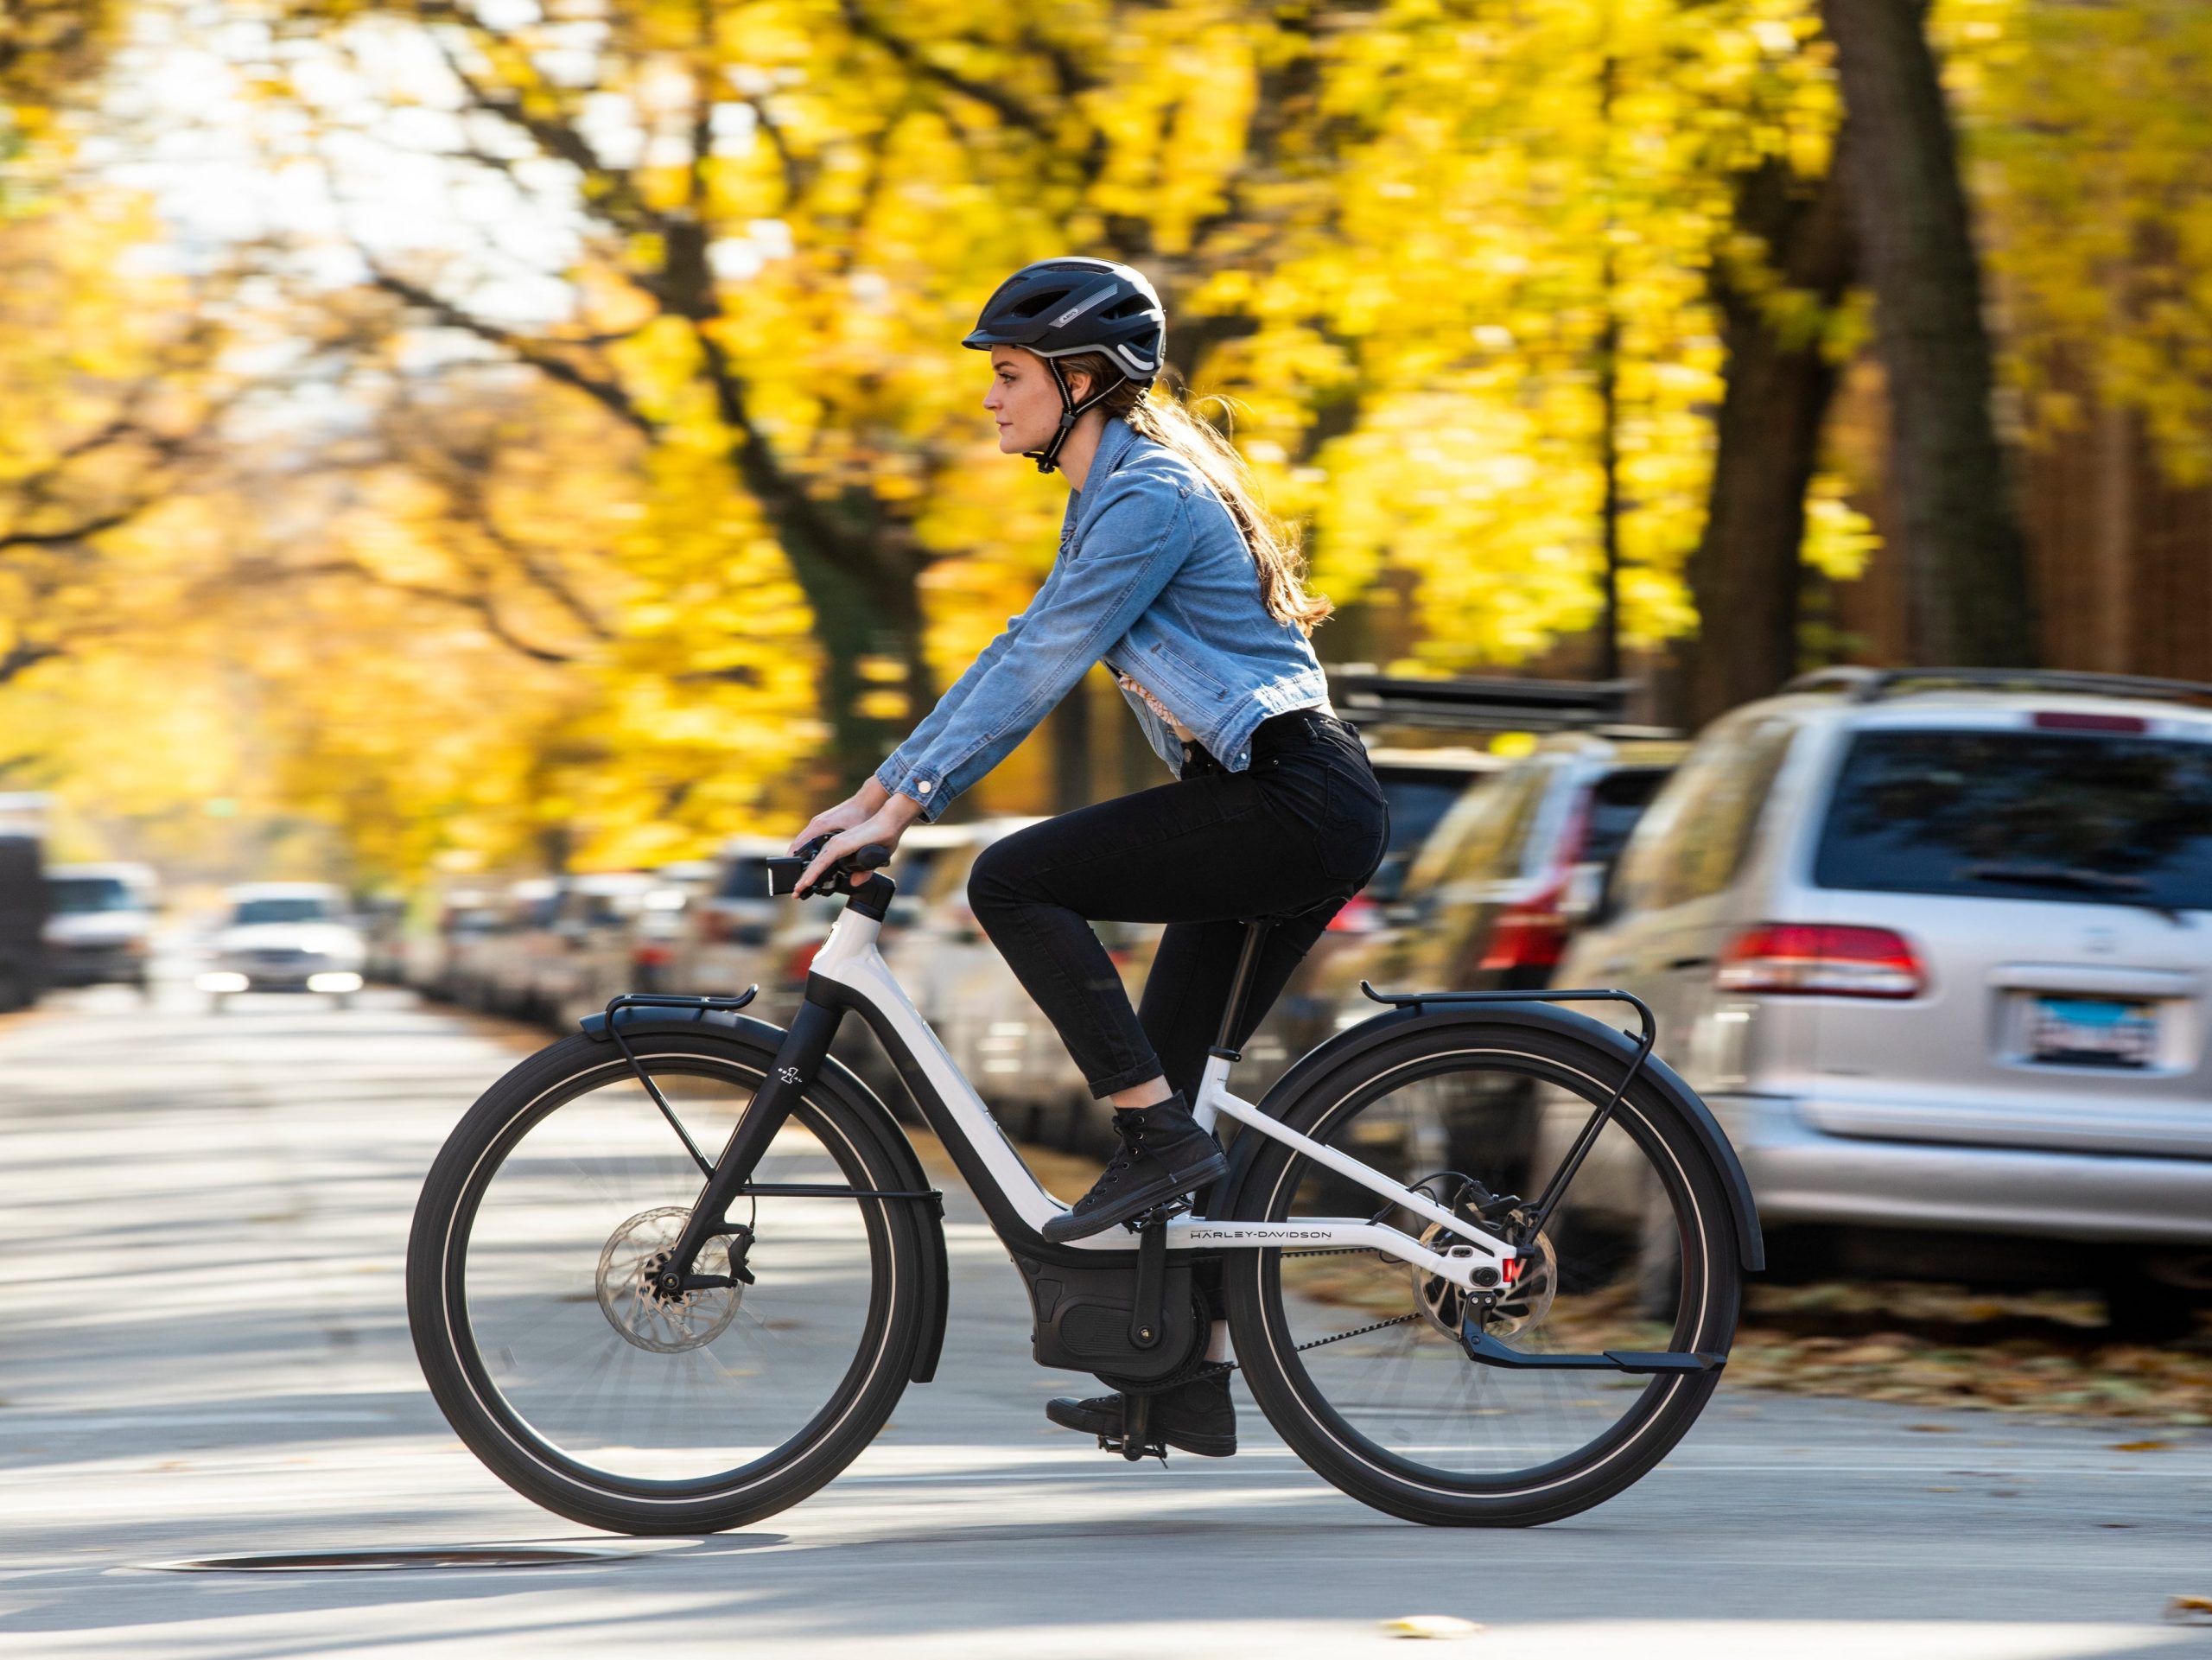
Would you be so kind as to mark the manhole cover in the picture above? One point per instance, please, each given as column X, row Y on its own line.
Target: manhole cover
column 427, row 1557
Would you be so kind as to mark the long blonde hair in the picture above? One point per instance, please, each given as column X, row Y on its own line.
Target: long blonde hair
column 1167, row 422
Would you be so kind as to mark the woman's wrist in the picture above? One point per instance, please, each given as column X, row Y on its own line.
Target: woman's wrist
column 870, row 797
column 905, row 808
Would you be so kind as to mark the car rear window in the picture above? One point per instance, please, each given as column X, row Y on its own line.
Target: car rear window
column 1418, row 802
column 2083, row 817
column 1616, row 801
column 1418, row 798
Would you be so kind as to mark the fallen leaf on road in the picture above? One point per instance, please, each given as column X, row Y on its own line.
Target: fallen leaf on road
column 1431, row 1625
column 2195, row 1610
column 2140, row 1447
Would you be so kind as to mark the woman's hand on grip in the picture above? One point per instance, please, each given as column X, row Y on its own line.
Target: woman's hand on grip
column 883, row 827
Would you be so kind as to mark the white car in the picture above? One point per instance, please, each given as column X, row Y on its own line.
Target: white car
column 285, row 937
column 99, row 923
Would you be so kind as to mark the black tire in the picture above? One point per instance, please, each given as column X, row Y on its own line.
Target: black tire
column 885, row 1310
column 1417, row 1478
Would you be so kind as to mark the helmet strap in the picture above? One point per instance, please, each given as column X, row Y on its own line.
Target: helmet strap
column 1048, row 459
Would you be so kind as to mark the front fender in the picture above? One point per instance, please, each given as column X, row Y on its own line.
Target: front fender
column 1349, row 1045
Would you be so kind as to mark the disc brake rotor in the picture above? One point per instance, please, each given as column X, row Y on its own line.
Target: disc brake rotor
column 630, row 1296
column 1522, row 1304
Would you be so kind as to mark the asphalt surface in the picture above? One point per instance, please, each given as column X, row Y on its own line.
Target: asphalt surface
column 202, row 1220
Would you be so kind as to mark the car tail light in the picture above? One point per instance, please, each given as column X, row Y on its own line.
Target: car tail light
column 1530, row 935
column 800, row 963
column 1359, row 915
column 1820, row 959
column 653, row 956
column 713, row 926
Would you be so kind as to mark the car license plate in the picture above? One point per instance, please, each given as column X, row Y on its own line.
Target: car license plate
column 2092, row 1031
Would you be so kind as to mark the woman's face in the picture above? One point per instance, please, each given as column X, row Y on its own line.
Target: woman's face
column 1024, row 400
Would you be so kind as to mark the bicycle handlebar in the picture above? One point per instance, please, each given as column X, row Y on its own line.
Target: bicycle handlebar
column 785, row 872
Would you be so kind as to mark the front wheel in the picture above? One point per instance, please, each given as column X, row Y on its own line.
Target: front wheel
column 1356, row 1357
column 529, row 1291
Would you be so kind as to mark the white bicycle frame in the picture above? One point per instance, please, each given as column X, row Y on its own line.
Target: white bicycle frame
column 850, row 958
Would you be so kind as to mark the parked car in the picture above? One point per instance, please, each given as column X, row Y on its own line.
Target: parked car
column 724, row 943
column 22, row 898
column 581, row 953
column 286, row 937
column 382, row 921
column 1422, row 787
column 443, row 951
column 1933, row 945
column 100, row 925
column 1497, row 888
column 503, row 977
column 665, row 922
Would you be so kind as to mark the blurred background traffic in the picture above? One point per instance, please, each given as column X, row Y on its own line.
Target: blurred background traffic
column 475, row 477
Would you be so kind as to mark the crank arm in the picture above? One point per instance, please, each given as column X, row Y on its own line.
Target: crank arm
column 1488, row 1351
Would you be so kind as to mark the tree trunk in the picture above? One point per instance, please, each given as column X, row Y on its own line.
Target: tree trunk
column 1961, row 542
column 854, row 620
column 1744, row 575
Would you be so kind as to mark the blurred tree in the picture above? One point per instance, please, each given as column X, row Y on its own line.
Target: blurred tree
column 1961, row 539
column 2094, row 131
column 1780, row 281
column 1452, row 266
column 49, row 51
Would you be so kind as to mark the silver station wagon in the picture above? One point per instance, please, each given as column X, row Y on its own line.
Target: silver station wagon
column 1935, row 944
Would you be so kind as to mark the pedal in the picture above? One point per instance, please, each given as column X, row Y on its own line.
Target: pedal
column 1157, row 1216
column 1136, row 1438
column 1143, row 1449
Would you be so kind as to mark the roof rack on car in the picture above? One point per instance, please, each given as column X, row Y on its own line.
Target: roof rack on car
column 1366, row 697
column 1860, row 685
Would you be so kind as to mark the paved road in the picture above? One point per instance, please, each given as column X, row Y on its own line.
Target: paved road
column 201, row 1224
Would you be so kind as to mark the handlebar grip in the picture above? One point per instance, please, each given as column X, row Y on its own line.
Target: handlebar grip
column 785, row 872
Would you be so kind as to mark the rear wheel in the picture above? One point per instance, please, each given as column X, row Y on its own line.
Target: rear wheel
column 530, row 1292
column 1356, row 1357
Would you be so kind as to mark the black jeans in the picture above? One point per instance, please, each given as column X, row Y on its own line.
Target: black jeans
column 1292, row 837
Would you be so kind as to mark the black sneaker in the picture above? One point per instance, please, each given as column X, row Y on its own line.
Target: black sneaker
column 1198, row 1417
column 1164, row 1154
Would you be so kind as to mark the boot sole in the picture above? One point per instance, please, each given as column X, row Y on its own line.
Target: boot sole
column 1069, row 1415
column 1061, row 1229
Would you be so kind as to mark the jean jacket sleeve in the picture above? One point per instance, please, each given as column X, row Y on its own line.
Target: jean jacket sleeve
column 894, row 772
column 1131, row 551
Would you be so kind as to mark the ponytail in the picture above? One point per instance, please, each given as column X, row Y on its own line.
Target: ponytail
column 1168, row 421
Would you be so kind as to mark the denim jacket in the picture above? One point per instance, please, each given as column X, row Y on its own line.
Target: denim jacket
column 1155, row 579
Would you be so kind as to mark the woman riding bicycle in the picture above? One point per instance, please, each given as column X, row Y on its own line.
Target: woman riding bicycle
column 1171, row 574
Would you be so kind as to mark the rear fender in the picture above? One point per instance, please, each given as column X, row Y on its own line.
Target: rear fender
column 759, row 1041
column 1349, row 1045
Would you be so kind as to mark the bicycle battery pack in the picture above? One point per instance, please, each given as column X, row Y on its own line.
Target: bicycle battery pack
column 1087, row 1321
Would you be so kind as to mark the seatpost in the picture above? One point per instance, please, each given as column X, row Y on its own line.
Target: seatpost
column 1240, row 990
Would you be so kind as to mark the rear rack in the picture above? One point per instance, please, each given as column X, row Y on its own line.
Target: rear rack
column 1647, row 1036
column 1860, row 685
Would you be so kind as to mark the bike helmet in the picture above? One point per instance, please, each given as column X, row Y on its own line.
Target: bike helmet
column 1057, row 308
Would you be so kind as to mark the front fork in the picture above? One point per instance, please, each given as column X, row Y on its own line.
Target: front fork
column 799, row 1057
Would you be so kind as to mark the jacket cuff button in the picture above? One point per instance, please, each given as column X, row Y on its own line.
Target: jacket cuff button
column 922, row 787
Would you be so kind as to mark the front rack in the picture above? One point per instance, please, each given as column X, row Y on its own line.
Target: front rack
column 657, row 1000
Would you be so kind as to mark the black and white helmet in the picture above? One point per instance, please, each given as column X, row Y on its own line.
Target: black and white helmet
column 1058, row 308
